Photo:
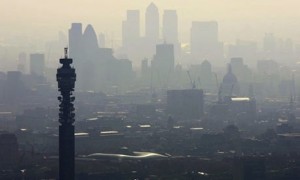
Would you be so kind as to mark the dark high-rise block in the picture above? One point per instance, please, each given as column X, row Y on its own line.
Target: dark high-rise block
column 162, row 65
column 14, row 88
column 9, row 150
column 185, row 104
column 164, row 57
column 37, row 64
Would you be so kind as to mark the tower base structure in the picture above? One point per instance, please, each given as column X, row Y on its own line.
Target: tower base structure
column 66, row 152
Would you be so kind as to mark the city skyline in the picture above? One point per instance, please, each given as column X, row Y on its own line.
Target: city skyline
column 172, row 89
column 249, row 20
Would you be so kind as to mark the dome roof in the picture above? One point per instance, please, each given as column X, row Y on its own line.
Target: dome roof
column 206, row 64
column 230, row 78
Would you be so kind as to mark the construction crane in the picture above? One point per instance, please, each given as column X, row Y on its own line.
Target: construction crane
column 219, row 89
column 231, row 90
column 193, row 83
column 217, row 81
column 199, row 82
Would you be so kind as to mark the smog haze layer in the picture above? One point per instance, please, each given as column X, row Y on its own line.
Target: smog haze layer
column 238, row 19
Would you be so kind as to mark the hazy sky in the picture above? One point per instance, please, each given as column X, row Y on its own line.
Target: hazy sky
column 244, row 19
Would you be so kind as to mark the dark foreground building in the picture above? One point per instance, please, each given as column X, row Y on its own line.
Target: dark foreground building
column 187, row 103
column 8, row 151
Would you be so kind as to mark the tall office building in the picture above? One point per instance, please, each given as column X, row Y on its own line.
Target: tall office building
column 170, row 31
column 13, row 88
column 151, row 32
column 205, row 41
column 37, row 64
column 131, row 28
column 88, row 65
column 22, row 62
column 101, row 40
column 131, row 35
column 90, row 41
column 163, row 64
column 75, row 41
column 164, row 57
column 170, row 26
column 96, row 64
column 152, row 22
column 84, row 50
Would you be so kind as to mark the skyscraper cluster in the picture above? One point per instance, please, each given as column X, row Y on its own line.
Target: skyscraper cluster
column 97, row 66
column 158, row 54
column 204, row 37
column 146, row 44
